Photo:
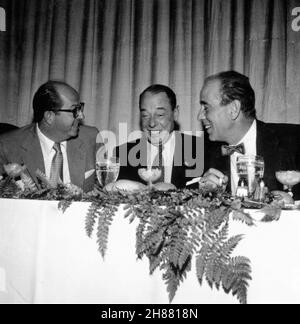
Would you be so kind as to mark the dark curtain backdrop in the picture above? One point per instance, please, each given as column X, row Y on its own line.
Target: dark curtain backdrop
column 110, row 50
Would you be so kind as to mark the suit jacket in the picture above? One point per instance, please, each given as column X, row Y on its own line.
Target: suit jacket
column 23, row 146
column 267, row 145
column 187, row 162
column 289, row 137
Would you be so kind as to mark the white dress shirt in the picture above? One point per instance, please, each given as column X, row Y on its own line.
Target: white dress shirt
column 249, row 141
column 168, row 156
column 49, row 152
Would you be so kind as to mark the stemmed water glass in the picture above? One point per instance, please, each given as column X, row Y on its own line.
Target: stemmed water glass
column 149, row 175
column 288, row 172
column 107, row 167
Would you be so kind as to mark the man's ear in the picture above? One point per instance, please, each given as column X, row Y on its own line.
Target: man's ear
column 235, row 109
column 176, row 113
column 49, row 117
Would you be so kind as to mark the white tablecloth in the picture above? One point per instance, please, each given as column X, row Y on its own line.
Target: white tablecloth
column 46, row 257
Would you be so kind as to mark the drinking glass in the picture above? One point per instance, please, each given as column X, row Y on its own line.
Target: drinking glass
column 288, row 172
column 107, row 170
column 149, row 175
column 251, row 169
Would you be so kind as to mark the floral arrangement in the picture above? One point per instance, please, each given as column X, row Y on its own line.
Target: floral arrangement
column 173, row 227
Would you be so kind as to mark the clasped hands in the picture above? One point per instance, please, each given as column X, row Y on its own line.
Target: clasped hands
column 214, row 178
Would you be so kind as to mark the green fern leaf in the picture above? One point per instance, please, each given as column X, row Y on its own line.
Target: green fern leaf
column 271, row 213
column 214, row 269
column 91, row 217
column 217, row 216
column 230, row 245
column 236, row 277
column 29, row 184
column 63, row 205
column 242, row 217
column 140, row 238
column 201, row 260
column 172, row 281
column 9, row 188
column 104, row 221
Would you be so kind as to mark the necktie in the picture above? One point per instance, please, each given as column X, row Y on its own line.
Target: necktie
column 230, row 149
column 159, row 162
column 56, row 173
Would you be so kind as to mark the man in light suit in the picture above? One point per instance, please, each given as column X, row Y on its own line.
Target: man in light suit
column 58, row 114
column 229, row 117
column 182, row 154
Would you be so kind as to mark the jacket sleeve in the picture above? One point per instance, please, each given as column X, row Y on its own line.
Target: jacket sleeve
column 3, row 158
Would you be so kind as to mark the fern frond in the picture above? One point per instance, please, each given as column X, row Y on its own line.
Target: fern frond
column 230, row 245
column 236, row 276
column 214, row 269
column 9, row 188
column 217, row 216
column 63, row 205
column 172, row 281
column 140, row 238
column 29, row 184
column 178, row 240
column 105, row 218
column 201, row 261
column 271, row 213
column 43, row 179
column 243, row 217
column 91, row 216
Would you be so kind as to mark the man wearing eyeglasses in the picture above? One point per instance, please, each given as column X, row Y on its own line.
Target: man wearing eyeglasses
column 56, row 142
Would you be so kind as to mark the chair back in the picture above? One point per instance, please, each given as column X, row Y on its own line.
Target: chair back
column 4, row 128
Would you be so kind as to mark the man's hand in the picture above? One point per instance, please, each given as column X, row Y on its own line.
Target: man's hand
column 214, row 178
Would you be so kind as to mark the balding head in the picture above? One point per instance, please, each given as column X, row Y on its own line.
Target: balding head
column 50, row 97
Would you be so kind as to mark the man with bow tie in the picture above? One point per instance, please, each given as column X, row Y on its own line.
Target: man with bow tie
column 229, row 117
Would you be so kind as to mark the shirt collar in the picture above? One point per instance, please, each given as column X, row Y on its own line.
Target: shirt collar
column 250, row 135
column 46, row 142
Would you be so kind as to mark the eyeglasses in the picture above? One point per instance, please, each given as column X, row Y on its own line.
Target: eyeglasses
column 77, row 109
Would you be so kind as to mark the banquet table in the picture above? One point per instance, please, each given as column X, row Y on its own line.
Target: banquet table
column 46, row 257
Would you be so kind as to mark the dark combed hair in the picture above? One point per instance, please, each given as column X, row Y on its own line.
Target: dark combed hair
column 236, row 86
column 46, row 98
column 158, row 88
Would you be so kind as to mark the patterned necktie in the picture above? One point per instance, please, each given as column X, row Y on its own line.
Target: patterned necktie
column 159, row 162
column 56, row 173
column 230, row 149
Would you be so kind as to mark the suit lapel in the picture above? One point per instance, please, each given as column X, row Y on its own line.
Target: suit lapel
column 32, row 153
column 267, row 145
column 76, row 161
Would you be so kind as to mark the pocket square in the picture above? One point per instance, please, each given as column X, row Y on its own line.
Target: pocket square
column 88, row 173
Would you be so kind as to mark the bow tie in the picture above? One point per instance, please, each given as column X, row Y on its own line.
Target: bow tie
column 230, row 149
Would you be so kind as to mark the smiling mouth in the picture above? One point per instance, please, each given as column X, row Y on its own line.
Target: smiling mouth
column 154, row 133
column 207, row 125
column 156, row 136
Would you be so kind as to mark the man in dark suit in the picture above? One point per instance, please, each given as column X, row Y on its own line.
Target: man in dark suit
column 229, row 117
column 179, row 156
column 56, row 143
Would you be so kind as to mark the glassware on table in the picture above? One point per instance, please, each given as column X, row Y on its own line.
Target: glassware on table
column 107, row 170
column 287, row 171
column 250, row 169
column 288, row 178
column 149, row 175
